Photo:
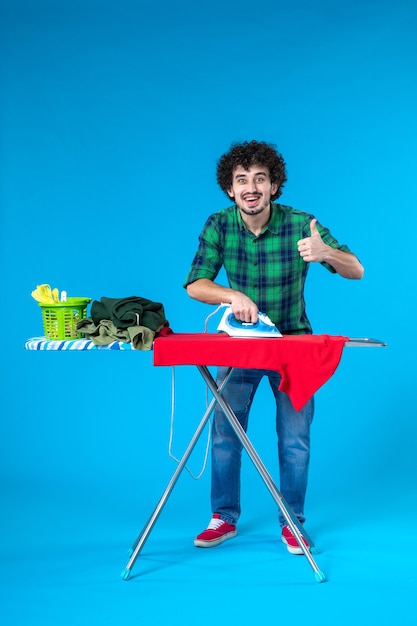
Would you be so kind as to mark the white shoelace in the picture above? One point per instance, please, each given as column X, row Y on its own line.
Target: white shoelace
column 215, row 523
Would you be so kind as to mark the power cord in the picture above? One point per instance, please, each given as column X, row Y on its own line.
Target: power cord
column 172, row 419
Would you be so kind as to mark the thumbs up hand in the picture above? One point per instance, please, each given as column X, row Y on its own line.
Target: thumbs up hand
column 312, row 249
column 313, row 228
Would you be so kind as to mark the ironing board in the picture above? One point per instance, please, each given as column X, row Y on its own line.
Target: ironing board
column 305, row 363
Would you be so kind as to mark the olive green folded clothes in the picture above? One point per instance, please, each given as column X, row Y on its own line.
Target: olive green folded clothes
column 127, row 312
column 105, row 332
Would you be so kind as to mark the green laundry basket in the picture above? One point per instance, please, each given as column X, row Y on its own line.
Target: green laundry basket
column 60, row 319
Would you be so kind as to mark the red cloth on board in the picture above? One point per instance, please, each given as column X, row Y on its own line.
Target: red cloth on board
column 305, row 362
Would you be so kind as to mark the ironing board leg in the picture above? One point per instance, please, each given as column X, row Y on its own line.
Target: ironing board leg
column 142, row 537
column 286, row 510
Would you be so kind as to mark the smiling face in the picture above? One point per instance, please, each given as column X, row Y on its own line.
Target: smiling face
column 252, row 189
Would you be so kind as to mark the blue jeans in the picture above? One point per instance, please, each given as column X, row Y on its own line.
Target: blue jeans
column 293, row 431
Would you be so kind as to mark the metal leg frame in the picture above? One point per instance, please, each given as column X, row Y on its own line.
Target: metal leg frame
column 146, row 531
column 284, row 507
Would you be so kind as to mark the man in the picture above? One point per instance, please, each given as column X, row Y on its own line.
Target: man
column 266, row 249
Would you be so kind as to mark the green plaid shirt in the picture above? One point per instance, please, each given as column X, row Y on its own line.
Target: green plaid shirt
column 267, row 268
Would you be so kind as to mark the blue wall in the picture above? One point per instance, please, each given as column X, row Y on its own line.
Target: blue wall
column 112, row 117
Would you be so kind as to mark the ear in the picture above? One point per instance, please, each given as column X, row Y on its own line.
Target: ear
column 230, row 192
column 274, row 188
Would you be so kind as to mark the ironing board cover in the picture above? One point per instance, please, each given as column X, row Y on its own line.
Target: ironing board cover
column 305, row 362
column 41, row 343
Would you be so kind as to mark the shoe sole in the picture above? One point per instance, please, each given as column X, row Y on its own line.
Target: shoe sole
column 201, row 543
column 293, row 549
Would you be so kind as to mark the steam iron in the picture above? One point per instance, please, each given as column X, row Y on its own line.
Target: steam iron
column 235, row 328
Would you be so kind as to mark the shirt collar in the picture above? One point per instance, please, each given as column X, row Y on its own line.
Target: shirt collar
column 274, row 221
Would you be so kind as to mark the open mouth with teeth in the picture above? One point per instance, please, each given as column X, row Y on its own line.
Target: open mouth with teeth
column 252, row 199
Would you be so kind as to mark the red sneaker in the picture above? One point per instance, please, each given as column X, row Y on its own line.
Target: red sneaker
column 217, row 531
column 292, row 543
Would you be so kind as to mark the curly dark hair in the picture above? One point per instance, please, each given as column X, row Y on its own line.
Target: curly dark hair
column 251, row 153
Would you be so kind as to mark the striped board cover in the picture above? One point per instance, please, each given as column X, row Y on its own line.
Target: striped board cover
column 41, row 343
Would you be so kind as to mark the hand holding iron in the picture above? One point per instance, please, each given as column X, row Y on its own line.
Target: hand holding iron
column 244, row 309
column 312, row 249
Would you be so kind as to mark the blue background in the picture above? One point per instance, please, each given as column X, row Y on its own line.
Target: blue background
column 113, row 115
